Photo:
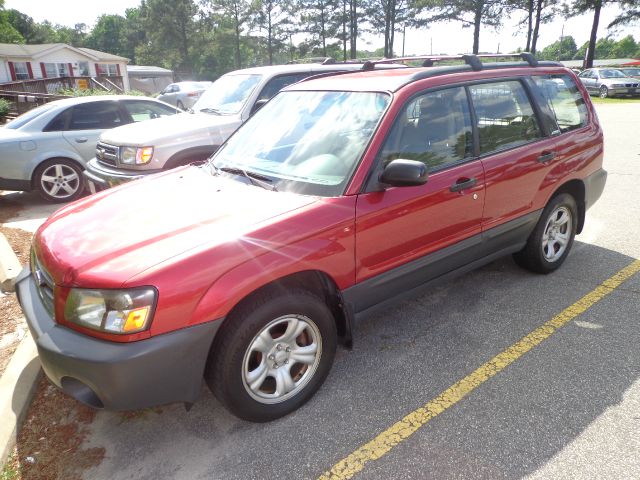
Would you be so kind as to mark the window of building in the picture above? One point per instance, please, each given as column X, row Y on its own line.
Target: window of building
column 107, row 69
column 54, row 70
column 22, row 71
column 504, row 115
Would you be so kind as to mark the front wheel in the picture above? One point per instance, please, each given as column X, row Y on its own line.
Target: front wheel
column 552, row 238
column 59, row 180
column 272, row 355
column 604, row 92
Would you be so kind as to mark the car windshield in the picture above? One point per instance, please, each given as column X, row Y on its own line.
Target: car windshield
column 611, row 74
column 227, row 95
column 28, row 116
column 632, row 71
column 306, row 142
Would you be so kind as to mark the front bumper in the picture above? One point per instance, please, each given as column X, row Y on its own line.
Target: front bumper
column 99, row 177
column 117, row 376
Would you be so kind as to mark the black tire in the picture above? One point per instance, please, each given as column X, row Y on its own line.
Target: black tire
column 59, row 180
column 233, row 358
column 539, row 256
column 604, row 91
column 180, row 105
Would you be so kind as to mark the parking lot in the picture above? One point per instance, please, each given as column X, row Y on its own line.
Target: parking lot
column 563, row 403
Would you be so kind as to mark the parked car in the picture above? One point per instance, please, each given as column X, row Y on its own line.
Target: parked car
column 343, row 192
column 45, row 149
column 609, row 82
column 183, row 94
column 633, row 72
column 225, row 106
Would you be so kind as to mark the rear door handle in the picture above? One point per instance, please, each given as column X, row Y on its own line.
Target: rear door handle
column 546, row 157
column 81, row 139
column 463, row 184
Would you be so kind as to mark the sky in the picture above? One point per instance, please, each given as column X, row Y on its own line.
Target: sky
column 442, row 38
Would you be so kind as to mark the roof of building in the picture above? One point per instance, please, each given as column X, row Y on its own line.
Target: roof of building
column 148, row 70
column 28, row 52
column 596, row 63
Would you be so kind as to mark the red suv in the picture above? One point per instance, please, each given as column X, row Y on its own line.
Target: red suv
column 341, row 193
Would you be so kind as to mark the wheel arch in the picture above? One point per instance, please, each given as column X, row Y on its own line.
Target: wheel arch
column 189, row 155
column 316, row 282
column 576, row 189
column 37, row 167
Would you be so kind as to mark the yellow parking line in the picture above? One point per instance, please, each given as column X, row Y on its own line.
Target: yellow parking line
column 400, row 431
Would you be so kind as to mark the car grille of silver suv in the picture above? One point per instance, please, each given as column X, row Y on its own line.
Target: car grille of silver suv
column 107, row 154
column 44, row 283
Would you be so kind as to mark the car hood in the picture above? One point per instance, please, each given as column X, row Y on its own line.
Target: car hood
column 151, row 133
column 107, row 238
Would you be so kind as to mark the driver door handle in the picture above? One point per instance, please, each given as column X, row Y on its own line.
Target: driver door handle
column 463, row 184
column 81, row 139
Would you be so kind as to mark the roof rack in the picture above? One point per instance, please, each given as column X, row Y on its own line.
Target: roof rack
column 474, row 61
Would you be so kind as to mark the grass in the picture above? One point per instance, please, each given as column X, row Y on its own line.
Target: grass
column 616, row 100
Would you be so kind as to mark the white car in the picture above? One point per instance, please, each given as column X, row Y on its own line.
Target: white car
column 183, row 94
column 45, row 149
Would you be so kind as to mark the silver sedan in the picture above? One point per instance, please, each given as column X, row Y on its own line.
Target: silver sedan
column 183, row 94
column 46, row 148
column 609, row 82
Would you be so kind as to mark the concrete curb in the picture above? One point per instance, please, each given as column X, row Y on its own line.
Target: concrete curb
column 9, row 265
column 17, row 386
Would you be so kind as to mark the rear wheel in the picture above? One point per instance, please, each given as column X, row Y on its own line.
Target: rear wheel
column 550, row 242
column 273, row 354
column 604, row 92
column 59, row 180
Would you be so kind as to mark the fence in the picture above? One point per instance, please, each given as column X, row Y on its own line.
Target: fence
column 52, row 86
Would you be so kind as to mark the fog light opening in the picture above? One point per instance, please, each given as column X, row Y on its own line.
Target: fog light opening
column 80, row 392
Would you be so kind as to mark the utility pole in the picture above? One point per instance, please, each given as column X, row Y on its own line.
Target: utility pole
column 561, row 39
column 404, row 36
column 431, row 41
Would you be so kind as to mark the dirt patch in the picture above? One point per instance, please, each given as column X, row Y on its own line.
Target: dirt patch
column 50, row 442
column 12, row 324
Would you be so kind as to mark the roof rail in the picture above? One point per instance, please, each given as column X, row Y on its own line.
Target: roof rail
column 474, row 61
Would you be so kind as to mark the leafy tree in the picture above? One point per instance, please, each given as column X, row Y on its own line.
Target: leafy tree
column 108, row 35
column 471, row 13
column 234, row 15
column 320, row 19
column 275, row 18
column 578, row 7
column 563, row 49
column 630, row 13
column 624, row 48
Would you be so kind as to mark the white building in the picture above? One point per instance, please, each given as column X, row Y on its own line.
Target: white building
column 55, row 60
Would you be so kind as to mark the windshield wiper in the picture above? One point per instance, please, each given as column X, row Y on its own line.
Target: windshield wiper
column 211, row 110
column 255, row 178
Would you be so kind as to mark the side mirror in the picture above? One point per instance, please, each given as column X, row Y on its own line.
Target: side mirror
column 259, row 104
column 404, row 173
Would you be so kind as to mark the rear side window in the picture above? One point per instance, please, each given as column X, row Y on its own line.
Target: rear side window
column 96, row 116
column 564, row 99
column 276, row 84
column 434, row 128
column 505, row 118
column 142, row 110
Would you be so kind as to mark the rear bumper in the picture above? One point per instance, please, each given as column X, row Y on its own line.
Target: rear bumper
column 117, row 376
column 593, row 187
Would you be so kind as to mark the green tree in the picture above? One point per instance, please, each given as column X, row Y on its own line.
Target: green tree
column 274, row 17
column 579, row 7
column 320, row 19
column 230, row 15
column 630, row 13
column 563, row 49
column 109, row 35
column 472, row 13
column 625, row 48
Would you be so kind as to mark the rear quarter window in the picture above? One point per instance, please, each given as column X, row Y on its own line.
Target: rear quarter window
column 564, row 100
column 504, row 116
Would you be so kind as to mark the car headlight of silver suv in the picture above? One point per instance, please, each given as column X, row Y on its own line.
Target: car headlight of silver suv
column 136, row 155
column 111, row 311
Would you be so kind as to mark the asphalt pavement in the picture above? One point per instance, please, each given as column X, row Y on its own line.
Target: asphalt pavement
column 567, row 408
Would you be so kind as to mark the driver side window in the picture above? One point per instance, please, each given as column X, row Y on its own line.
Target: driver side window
column 434, row 128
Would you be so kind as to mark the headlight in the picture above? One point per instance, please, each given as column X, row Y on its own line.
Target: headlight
column 136, row 155
column 111, row 311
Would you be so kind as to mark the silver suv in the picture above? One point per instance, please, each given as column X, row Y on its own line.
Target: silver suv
column 130, row 152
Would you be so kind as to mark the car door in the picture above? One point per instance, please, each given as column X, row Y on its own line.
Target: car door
column 587, row 80
column 88, row 120
column 407, row 235
column 169, row 94
column 515, row 152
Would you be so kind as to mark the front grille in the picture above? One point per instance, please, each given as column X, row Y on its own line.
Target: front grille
column 107, row 154
column 44, row 284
